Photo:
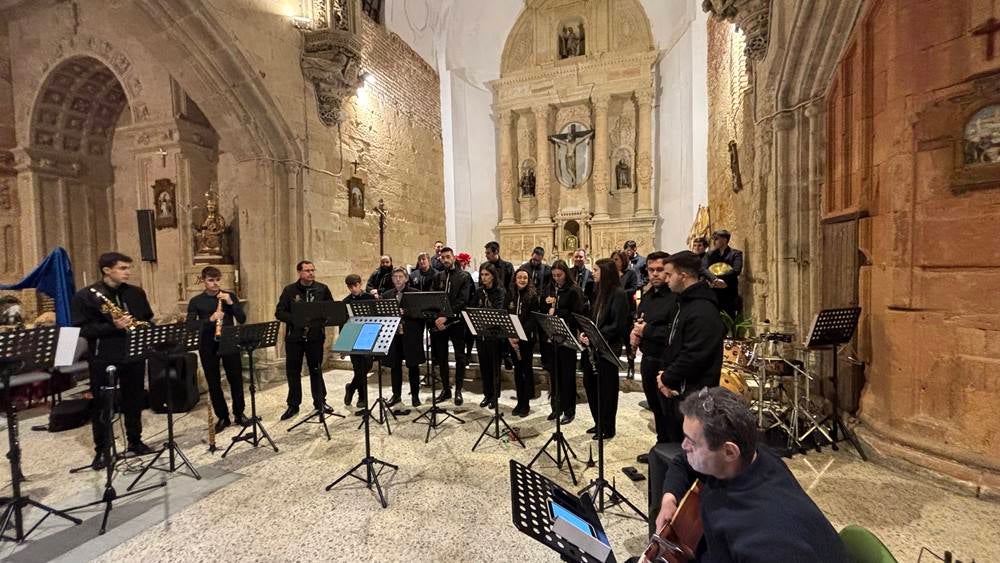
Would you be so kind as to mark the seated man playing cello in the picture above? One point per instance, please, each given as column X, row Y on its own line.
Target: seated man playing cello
column 751, row 507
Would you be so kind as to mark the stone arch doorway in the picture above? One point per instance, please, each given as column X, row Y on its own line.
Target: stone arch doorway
column 78, row 108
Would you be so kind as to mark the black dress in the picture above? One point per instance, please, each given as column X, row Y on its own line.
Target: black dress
column 569, row 300
column 523, row 304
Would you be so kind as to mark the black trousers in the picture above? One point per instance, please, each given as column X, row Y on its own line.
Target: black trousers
column 313, row 352
column 601, row 383
column 667, row 428
column 489, row 355
column 131, row 378
column 361, row 365
column 234, row 375
column 439, row 348
column 524, row 374
column 562, row 390
column 396, row 370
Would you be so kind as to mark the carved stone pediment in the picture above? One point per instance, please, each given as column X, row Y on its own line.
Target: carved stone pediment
column 752, row 17
column 331, row 57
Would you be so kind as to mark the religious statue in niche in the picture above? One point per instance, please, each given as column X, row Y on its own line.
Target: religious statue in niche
column 356, row 198
column 572, row 41
column 572, row 242
column 734, row 166
column 623, row 174
column 165, row 204
column 982, row 137
column 211, row 238
column 573, row 154
column 527, row 181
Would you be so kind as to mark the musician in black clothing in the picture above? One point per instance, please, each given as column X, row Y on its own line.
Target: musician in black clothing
column 422, row 276
column 205, row 307
column 505, row 270
column 360, row 364
column 636, row 261
column 456, row 283
column 407, row 345
column 522, row 300
column 107, row 341
column 727, row 286
column 541, row 274
column 629, row 276
column 381, row 279
column 436, row 262
column 489, row 295
column 303, row 340
column 563, row 298
column 650, row 333
column 583, row 277
column 610, row 313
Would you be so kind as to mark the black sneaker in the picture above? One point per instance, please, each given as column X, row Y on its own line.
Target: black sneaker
column 139, row 448
column 289, row 413
column 444, row 396
column 348, row 395
column 100, row 461
column 394, row 400
column 458, row 397
column 221, row 424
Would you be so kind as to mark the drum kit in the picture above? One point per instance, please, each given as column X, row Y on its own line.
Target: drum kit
column 770, row 371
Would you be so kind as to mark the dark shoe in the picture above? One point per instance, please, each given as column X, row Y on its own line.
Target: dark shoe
column 139, row 448
column 592, row 430
column 289, row 413
column 327, row 410
column 242, row 420
column 362, row 401
column 394, row 400
column 221, row 424
column 348, row 395
column 492, row 404
column 507, row 365
column 642, row 458
column 100, row 461
column 609, row 435
column 458, row 397
column 415, row 401
column 483, row 403
column 444, row 395
column 566, row 419
column 552, row 416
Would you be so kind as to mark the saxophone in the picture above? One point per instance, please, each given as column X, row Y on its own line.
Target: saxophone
column 218, row 323
column 108, row 307
column 211, row 431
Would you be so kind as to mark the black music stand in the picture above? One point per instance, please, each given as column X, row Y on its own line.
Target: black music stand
column 497, row 325
column 556, row 330
column 162, row 342
column 377, row 308
column 831, row 329
column 248, row 338
column 530, row 495
column 314, row 316
column 429, row 305
column 377, row 348
column 19, row 351
column 599, row 347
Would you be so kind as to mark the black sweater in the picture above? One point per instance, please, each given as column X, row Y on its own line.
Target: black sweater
column 381, row 280
column 203, row 306
column 106, row 341
column 522, row 304
column 294, row 293
column 658, row 307
column 694, row 350
column 569, row 300
column 457, row 284
column 422, row 280
column 614, row 319
column 761, row 515
column 505, row 271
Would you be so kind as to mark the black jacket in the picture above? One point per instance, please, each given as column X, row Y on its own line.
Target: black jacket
column 381, row 280
column 523, row 305
column 541, row 275
column 294, row 293
column 489, row 298
column 658, row 308
column 761, row 515
column 458, row 284
column 694, row 349
column 203, row 306
column 505, row 271
column 638, row 263
column 422, row 280
column 412, row 339
column 732, row 257
column 437, row 264
column 630, row 282
column 614, row 319
column 584, row 279
column 569, row 300
column 105, row 340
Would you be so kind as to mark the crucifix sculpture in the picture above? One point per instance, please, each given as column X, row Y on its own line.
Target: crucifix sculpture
column 380, row 209
column 569, row 142
column 989, row 29
column 163, row 156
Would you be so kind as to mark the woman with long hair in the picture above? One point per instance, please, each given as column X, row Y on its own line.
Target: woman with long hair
column 629, row 277
column 610, row 313
column 522, row 300
column 489, row 295
column 563, row 298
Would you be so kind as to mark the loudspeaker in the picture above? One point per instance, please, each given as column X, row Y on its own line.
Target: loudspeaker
column 147, row 234
column 184, row 385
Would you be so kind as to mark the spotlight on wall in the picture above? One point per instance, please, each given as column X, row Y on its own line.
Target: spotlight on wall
column 302, row 23
column 367, row 79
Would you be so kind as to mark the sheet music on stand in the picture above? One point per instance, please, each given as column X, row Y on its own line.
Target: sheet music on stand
column 376, row 344
column 556, row 329
column 142, row 341
column 832, row 327
column 597, row 340
column 506, row 324
column 36, row 347
column 373, row 308
column 333, row 313
column 192, row 335
column 255, row 336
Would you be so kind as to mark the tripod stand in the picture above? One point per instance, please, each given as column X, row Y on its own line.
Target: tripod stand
column 306, row 314
column 557, row 331
column 250, row 338
column 377, row 308
column 599, row 349
column 162, row 342
column 35, row 343
column 497, row 326
column 382, row 404
column 428, row 305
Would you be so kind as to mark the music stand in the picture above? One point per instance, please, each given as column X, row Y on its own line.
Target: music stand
column 248, row 338
column 429, row 305
column 162, row 342
column 377, row 346
column 497, row 325
column 556, row 330
column 530, row 497
column 377, row 308
column 19, row 351
column 599, row 347
column 831, row 329
column 315, row 315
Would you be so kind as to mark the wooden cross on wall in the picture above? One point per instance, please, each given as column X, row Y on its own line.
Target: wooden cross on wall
column 163, row 156
column 989, row 29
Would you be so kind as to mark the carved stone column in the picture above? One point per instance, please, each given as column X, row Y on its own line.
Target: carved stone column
column 786, row 274
column 644, row 164
column 601, row 180
column 507, row 175
column 544, row 172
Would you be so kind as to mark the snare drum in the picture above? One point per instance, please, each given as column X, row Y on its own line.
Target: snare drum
column 733, row 380
column 736, row 353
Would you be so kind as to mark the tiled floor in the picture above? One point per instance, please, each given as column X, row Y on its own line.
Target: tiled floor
column 446, row 503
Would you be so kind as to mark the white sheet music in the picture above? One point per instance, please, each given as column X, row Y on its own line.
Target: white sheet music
column 517, row 326
column 468, row 322
column 66, row 346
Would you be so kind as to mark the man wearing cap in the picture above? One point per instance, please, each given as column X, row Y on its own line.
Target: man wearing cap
column 638, row 263
column 728, row 272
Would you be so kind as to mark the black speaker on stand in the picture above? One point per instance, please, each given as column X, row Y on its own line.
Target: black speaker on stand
column 147, row 234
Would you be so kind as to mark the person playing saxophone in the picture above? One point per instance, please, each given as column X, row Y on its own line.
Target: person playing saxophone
column 216, row 308
column 104, row 312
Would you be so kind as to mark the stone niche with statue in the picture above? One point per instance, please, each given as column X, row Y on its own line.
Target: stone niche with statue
column 574, row 108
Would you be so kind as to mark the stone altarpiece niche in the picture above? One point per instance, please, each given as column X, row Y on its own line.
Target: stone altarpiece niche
column 574, row 113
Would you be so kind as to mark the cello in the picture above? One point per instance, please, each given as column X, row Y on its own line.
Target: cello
column 677, row 540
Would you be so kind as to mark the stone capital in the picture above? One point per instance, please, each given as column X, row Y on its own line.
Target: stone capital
column 644, row 98
column 543, row 110
column 505, row 117
column 601, row 102
column 752, row 17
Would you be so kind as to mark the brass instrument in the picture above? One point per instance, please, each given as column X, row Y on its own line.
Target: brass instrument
column 108, row 307
column 211, row 431
column 720, row 269
column 218, row 323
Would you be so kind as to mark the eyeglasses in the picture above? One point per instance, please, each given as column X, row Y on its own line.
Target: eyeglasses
column 708, row 402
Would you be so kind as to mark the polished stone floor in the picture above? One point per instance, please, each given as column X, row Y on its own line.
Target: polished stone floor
column 446, row 502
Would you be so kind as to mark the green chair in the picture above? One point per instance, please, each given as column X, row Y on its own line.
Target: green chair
column 864, row 547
